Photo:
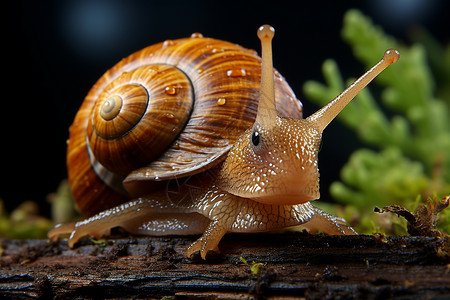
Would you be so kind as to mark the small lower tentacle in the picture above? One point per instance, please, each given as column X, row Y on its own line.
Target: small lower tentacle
column 328, row 224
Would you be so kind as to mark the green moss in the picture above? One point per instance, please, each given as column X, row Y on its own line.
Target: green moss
column 254, row 266
column 24, row 222
column 386, row 175
column 409, row 127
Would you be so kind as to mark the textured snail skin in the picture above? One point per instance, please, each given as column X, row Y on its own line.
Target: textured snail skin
column 198, row 206
column 230, row 169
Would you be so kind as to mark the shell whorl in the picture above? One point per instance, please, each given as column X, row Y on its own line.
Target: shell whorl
column 138, row 116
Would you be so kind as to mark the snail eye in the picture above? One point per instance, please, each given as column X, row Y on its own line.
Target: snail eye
column 255, row 138
column 256, row 141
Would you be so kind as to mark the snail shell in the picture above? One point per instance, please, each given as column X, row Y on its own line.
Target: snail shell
column 168, row 111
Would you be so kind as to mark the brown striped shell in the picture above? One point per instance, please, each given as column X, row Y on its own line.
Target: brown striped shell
column 168, row 111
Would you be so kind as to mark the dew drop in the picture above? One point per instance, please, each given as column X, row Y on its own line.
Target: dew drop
column 167, row 43
column 200, row 70
column 278, row 76
column 221, row 101
column 196, row 35
column 236, row 73
column 169, row 115
column 171, row 90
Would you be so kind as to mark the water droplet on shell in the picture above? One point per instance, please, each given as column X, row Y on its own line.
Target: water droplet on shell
column 196, row 35
column 221, row 101
column 236, row 72
column 167, row 43
column 171, row 90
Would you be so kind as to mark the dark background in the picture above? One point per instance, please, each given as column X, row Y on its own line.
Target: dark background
column 55, row 51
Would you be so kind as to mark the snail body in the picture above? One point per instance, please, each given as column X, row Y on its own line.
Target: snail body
column 206, row 138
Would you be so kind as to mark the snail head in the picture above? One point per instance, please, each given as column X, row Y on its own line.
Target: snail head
column 275, row 161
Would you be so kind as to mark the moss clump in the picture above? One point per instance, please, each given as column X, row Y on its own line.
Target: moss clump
column 24, row 222
column 409, row 129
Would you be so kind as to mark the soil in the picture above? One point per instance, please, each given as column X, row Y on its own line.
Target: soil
column 293, row 265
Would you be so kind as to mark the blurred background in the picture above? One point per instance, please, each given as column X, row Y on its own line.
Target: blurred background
column 56, row 50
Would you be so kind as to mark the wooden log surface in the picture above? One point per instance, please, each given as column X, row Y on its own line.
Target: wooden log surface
column 292, row 265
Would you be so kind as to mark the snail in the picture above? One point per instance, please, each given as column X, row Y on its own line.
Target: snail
column 200, row 136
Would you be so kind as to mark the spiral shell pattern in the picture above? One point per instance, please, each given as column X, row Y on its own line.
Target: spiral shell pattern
column 137, row 117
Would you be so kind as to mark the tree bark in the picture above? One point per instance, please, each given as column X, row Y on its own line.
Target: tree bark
column 291, row 265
